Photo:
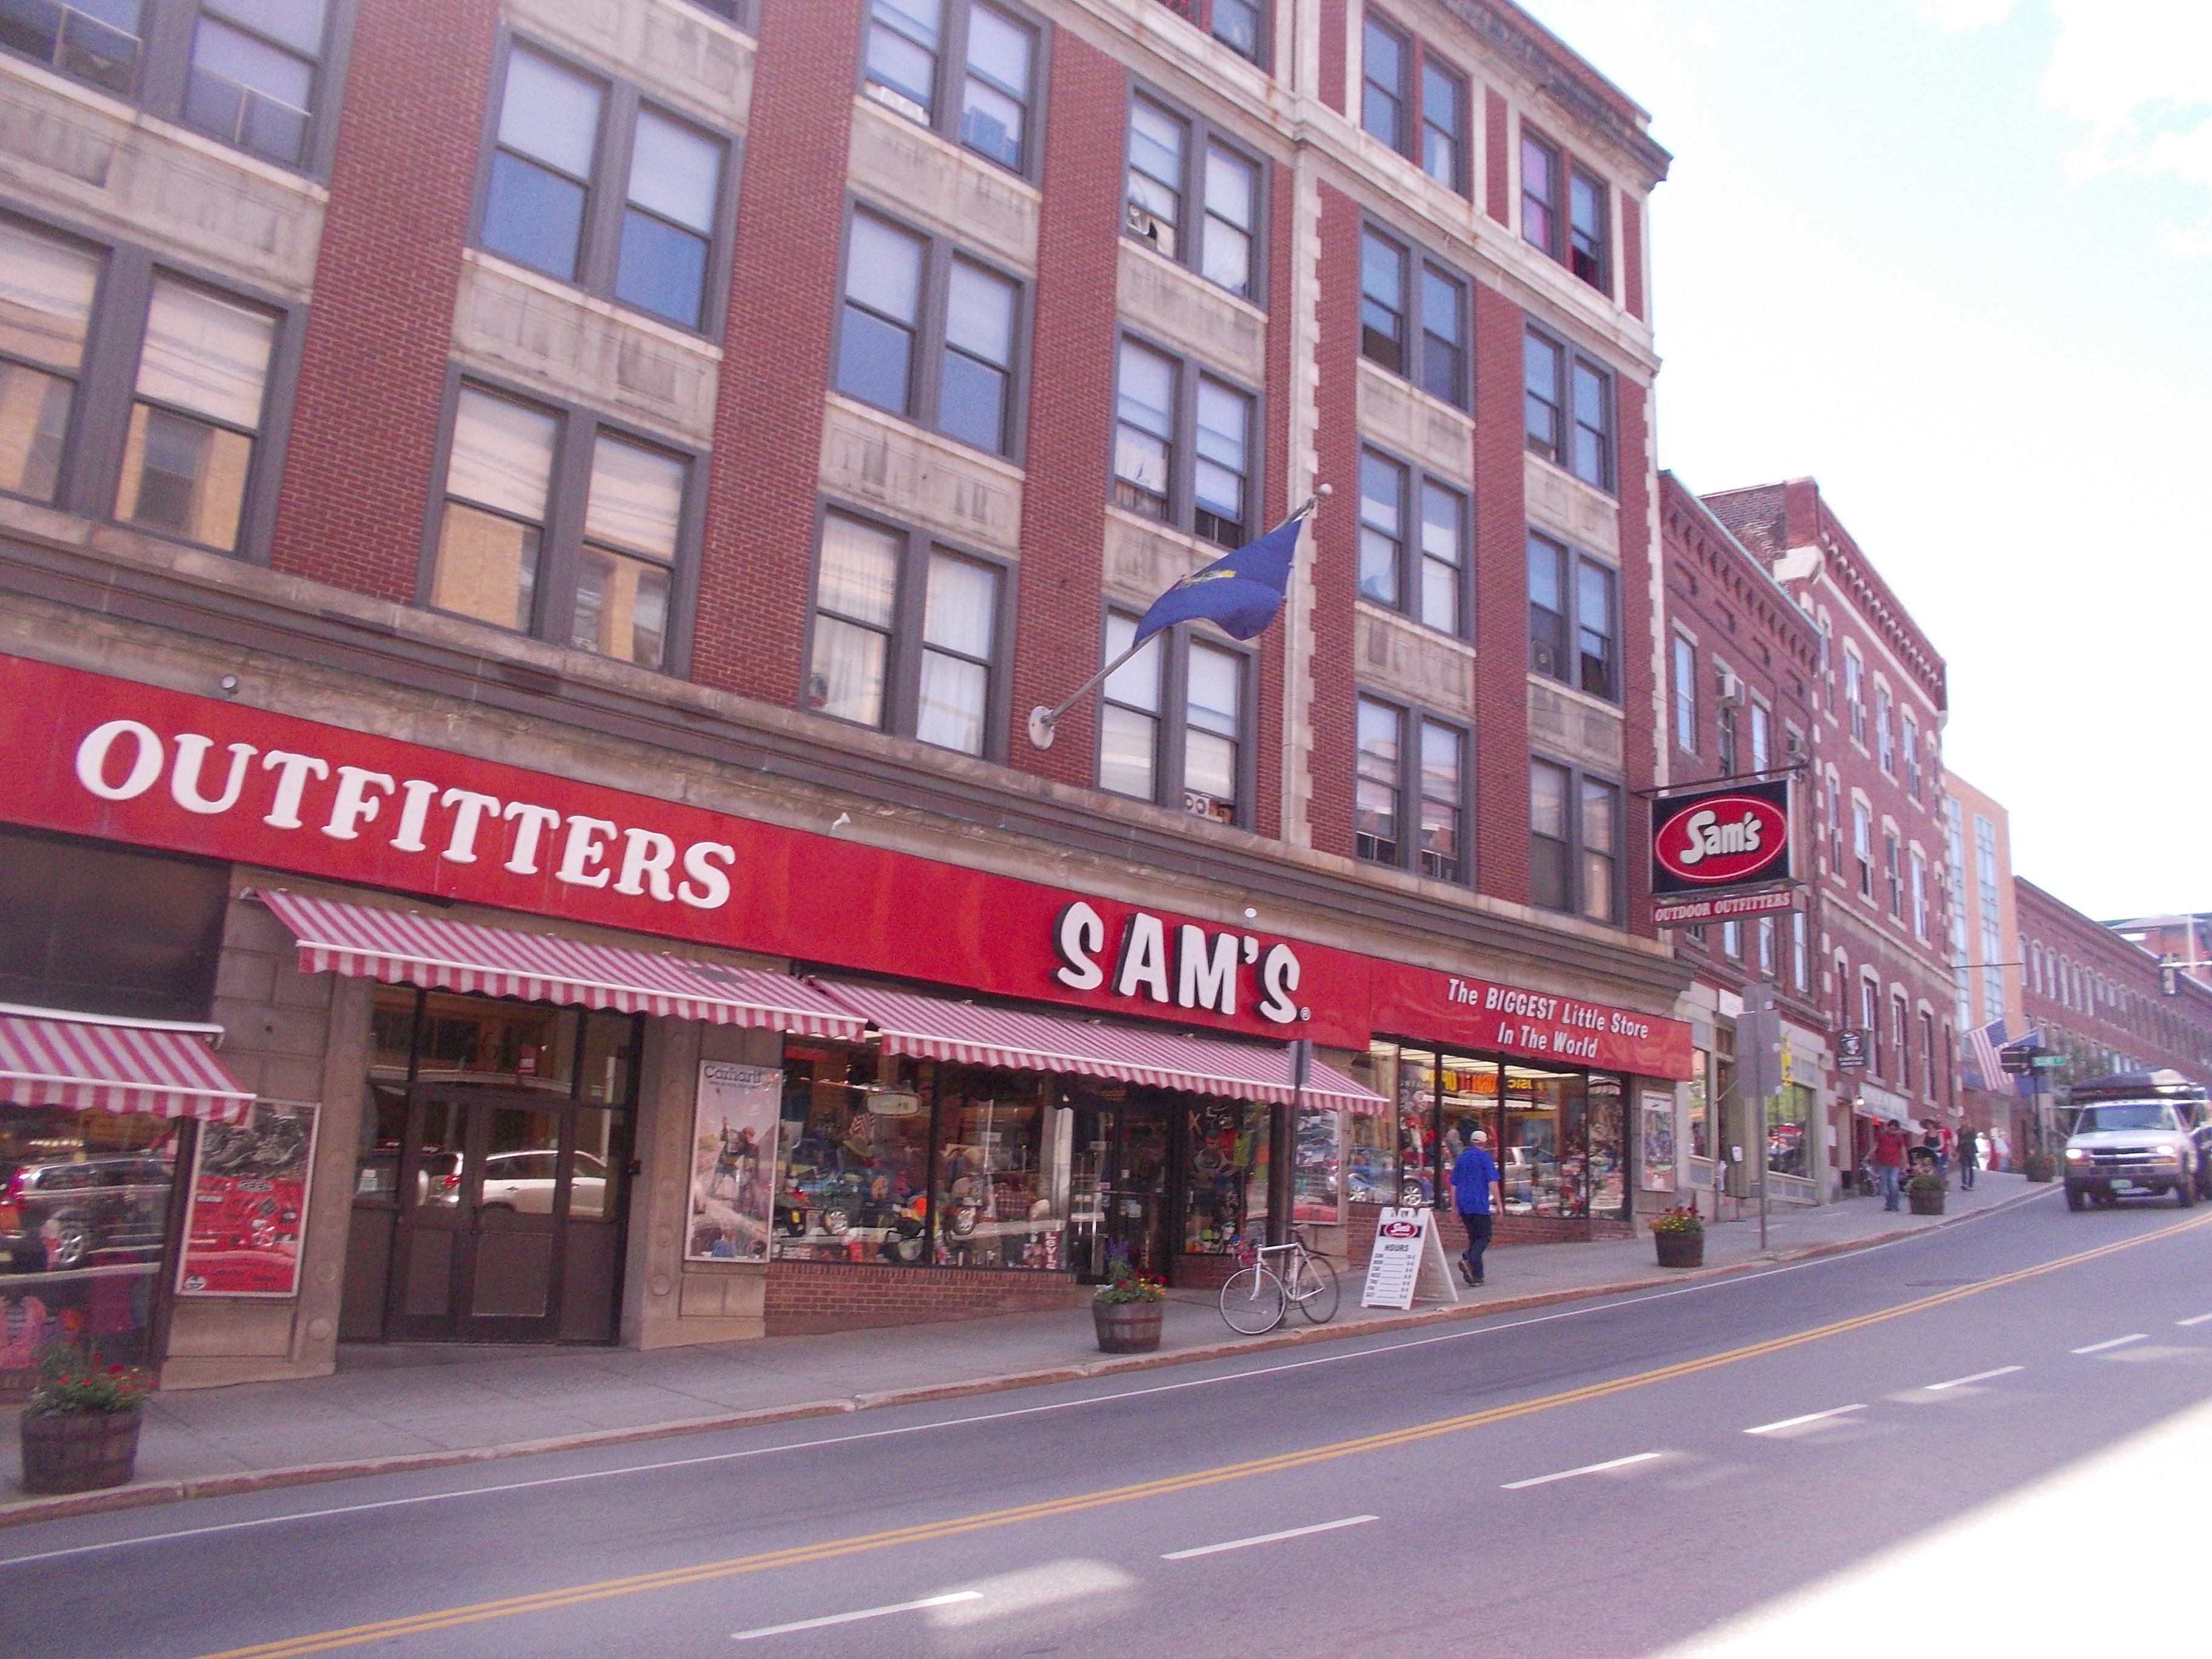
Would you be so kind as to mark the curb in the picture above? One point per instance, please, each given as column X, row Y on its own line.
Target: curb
column 140, row 1495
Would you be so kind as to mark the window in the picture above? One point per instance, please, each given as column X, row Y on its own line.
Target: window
column 1732, row 940
column 1685, row 695
column 1835, row 828
column 559, row 131
column 1433, row 355
column 1910, row 743
column 1183, row 448
column 1555, row 385
column 1729, row 727
column 1589, row 607
column 1863, row 845
column 1870, row 1022
column 1387, row 62
column 907, row 636
column 1827, row 674
column 1885, row 744
column 1768, row 964
column 919, row 52
column 1901, row 1041
column 1173, row 159
column 1588, row 217
column 1762, row 750
column 1893, row 869
column 1855, row 695
column 1801, row 960
column 1575, row 832
column 1422, row 572
column 1200, row 762
column 925, row 329
column 244, row 71
column 1433, row 772
column 1919, row 894
column 604, row 579
column 47, row 289
column 1239, row 25
column 1443, row 126
column 1540, row 194
column 202, row 386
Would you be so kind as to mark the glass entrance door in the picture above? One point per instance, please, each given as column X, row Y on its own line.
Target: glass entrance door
column 490, row 1187
column 1118, row 1196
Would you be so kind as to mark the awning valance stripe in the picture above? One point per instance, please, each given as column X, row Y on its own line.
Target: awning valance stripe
column 934, row 1029
column 51, row 1060
column 402, row 947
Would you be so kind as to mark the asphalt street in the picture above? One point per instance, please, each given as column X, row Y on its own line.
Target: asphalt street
column 1667, row 1469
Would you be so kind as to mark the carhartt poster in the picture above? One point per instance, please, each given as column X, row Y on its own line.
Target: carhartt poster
column 732, row 1162
column 1657, row 1167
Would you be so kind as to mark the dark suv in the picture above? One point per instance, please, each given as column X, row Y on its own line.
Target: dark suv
column 97, row 1206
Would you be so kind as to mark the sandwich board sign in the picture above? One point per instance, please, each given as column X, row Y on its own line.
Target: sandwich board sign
column 1409, row 1263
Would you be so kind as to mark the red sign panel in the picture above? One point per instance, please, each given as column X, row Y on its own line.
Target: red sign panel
column 1729, row 836
column 1424, row 1004
column 90, row 755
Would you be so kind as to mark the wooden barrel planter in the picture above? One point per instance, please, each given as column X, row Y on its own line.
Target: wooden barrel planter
column 1925, row 1203
column 78, row 1452
column 1129, row 1326
column 1678, row 1249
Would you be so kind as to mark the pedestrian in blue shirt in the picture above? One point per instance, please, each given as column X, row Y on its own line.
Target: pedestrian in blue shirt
column 1474, row 1175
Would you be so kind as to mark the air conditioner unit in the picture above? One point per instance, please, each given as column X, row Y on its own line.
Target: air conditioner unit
column 1731, row 687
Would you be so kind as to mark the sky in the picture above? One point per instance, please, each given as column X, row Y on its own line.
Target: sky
column 1953, row 259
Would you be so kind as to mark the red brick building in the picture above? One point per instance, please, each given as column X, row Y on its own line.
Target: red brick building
column 595, row 491
column 1879, row 822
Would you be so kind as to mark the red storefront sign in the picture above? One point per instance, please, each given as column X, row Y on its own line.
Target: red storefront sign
column 1427, row 1005
column 91, row 754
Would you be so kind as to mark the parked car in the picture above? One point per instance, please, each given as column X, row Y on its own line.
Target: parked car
column 524, row 1182
column 57, row 1214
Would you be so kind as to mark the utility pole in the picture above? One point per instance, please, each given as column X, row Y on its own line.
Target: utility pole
column 1759, row 1074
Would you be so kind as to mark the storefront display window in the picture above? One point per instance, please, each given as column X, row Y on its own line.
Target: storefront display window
column 1317, row 1177
column 1788, row 1132
column 1417, row 1127
column 84, row 1211
column 1608, row 1144
column 1228, row 1192
column 1541, row 1168
column 1371, row 1168
column 999, row 1141
column 852, row 1183
column 1701, row 1145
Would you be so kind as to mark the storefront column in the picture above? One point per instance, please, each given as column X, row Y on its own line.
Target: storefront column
column 667, row 1300
column 294, row 1037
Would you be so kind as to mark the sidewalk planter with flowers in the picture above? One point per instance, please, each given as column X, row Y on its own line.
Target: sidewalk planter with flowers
column 1680, row 1233
column 80, row 1430
column 1925, row 1194
column 2038, row 1166
column 1128, row 1310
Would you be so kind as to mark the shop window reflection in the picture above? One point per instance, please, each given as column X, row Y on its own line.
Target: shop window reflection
column 1608, row 1158
column 1317, row 1175
column 1371, row 1172
column 993, row 1207
column 851, row 1181
column 1228, row 1191
column 523, row 1045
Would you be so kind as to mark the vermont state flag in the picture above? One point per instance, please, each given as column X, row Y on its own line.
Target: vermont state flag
column 1238, row 594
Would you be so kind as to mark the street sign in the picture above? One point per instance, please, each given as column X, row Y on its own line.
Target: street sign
column 2047, row 1062
column 1853, row 1043
column 2015, row 1061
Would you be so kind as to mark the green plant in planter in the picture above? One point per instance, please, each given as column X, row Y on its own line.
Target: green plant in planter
column 71, row 1379
column 1680, row 1219
column 1124, row 1284
column 1925, row 1186
column 2038, row 1166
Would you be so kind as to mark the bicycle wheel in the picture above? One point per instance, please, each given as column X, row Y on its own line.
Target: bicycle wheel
column 1252, row 1301
column 1313, row 1287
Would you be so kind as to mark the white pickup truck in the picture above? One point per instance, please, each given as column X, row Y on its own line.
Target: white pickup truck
column 2139, row 1148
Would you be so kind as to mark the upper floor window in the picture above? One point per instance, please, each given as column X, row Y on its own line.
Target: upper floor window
column 1540, row 193
column 653, row 244
column 1240, row 26
column 1443, row 126
column 908, row 637
column 1572, row 597
column 1568, row 408
column 1412, row 318
column 1174, row 725
column 246, row 71
column 1412, row 543
column 929, row 333
column 1183, row 451
column 1893, row 869
column 1800, row 959
column 1855, row 695
column 1730, row 749
column 517, row 547
column 1863, row 845
column 966, row 69
column 1410, row 806
column 1193, row 198
column 132, row 391
column 1910, row 742
column 1885, row 741
column 1685, row 695
column 1575, row 840
column 1413, row 102
column 1386, row 68
column 1589, row 222
column 1920, row 894
column 1762, row 737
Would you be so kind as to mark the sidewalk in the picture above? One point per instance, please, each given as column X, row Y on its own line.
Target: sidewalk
column 390, row 1408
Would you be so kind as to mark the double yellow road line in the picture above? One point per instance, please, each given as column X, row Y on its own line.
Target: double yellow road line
column 799, row 1555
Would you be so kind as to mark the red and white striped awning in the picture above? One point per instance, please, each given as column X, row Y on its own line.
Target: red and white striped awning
column 89, row 1064
column 403, row 947
column 936, row 1029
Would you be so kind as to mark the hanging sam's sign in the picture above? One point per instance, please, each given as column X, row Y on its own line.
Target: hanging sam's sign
column 1718, row 840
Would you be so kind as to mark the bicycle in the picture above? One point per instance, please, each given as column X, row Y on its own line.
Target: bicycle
column 1259, row 1294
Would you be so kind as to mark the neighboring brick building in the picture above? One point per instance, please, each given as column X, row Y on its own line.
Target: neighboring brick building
column 1985, row 953
column 1884, row 921
column 1743, row 667
column 620, row 472
column 2184, row 940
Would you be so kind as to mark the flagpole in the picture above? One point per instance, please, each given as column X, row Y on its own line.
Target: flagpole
column 1043, row 720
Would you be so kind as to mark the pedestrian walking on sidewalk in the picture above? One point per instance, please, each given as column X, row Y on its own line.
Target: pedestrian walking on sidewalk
column 1475, row 1174
column 1969, row 1159
column 1889, row 1161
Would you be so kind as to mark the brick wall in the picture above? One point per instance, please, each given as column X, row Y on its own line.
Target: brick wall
column 1632, row 255
column 1498, row 188
column 758, row 547
column 1501, row 602
column 373, row 367
column 806, row 1296
column 1334, row 69
column 1062, row 591
column 1639, row 624
column 1336, row 534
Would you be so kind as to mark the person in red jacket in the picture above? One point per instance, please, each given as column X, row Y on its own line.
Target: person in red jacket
column 1889, row 1161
